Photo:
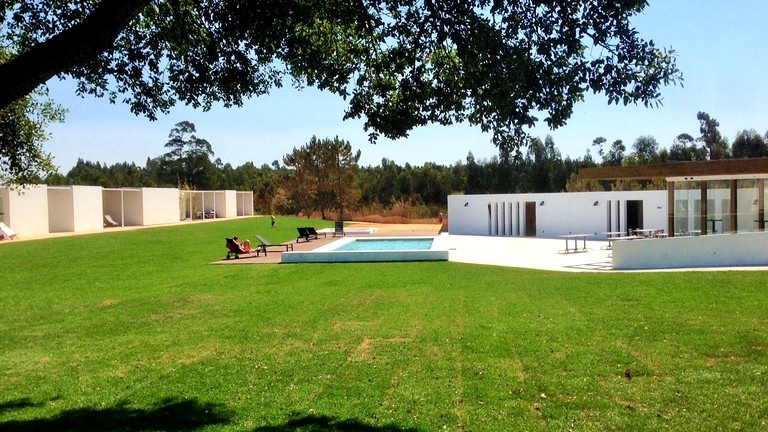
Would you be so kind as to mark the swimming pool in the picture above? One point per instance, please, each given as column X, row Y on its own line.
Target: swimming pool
column 387, row 244
column 381, row 249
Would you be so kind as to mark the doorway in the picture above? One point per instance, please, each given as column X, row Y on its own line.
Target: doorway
column 634, row 214
column 530, row 218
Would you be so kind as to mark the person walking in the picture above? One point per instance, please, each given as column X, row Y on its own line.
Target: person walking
column 273, row 220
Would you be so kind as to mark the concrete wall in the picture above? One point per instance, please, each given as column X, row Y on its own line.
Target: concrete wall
column 61, row 210
column 225, row 204
column 25, row 213
column 113, row 204
column 75, row 209
column 160, row 206
column 133, row 207
column 245, row 203
column 725, row 250
column 556, row 213
column 88, row 208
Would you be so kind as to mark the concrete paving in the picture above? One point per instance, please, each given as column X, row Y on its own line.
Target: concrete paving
column 532, row 253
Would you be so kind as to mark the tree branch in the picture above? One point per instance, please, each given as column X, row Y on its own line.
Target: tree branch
column 75, row 46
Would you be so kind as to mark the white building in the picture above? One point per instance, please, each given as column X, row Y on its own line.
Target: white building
column 703, row 200
column 549, row 215
column 39, row 209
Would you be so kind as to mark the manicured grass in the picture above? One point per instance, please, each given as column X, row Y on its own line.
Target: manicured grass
column 137, row 331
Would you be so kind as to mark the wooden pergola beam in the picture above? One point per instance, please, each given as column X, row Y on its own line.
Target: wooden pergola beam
column 729, row 167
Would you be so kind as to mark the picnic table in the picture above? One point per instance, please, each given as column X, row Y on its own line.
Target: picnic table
column 575, row 238
column 610, row 235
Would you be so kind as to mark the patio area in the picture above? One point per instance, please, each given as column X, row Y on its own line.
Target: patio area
column 522, row 252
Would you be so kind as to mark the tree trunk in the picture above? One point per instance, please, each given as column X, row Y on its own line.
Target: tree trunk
column 72, row 47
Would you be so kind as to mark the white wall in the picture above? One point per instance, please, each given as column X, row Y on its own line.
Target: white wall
column 245, row 203
column 113, row 204
column 556, row 213
column 61, row 209
column 133, row 207
column 724, row 250
column 160, row 206
column 88, row 208
column 26, row 213
column 225, row 204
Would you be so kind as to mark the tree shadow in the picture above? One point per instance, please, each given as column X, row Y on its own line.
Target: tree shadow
column 317, row 423
column 168, row 415
column 18, row 404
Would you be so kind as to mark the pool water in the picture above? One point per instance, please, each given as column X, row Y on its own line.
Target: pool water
column 378, row 249
column 387, row 244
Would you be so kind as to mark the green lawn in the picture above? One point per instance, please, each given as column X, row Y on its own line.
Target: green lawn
column 136, row 331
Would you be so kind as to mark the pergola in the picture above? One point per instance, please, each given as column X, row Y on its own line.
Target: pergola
column 740, row 177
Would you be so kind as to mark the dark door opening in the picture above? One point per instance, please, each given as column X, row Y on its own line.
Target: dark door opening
column 530, row 218
column 634, row 214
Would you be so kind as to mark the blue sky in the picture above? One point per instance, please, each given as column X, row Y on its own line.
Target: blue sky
column 721, row 49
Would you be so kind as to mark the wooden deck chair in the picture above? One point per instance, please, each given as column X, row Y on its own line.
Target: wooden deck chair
column 234, row 249
column 265, row 244
column 338, row 229
column 7, row 233
column 108, row 221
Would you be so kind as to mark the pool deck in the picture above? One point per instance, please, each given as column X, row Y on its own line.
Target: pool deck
column 521, row 252
column 381, row 230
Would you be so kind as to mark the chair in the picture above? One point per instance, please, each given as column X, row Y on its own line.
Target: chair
column 7, row 232
column 338, row 229
column 314, row 233
column 109, row 221
column 265, row 244
column 303, row 234
column 234, row 249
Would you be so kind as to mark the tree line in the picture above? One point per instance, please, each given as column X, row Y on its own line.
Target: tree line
column 324, row 175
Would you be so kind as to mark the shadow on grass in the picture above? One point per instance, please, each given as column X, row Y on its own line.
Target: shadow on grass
column 315, row 423
column 18, row 404
column 169, row 415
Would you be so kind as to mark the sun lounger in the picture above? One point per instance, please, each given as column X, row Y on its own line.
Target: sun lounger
column 266, row 244
column 108, row 221
column 235, row 250
column 303, row 234
column 338, row 229
column 313, row 232
column 6, row 232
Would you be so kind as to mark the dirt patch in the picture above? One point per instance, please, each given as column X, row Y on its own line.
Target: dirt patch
column 363, row 351
column 109, row 302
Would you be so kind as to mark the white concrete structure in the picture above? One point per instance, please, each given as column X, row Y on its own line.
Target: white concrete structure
column 25, row 210
column 721, row 209
column 75, row 209
column 245, row 203
column 40, row 209
column 143, row 206
column 549, row 215
column 215, row 204
column 722, row 250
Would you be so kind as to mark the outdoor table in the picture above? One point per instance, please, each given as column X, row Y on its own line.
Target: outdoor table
column 712, row 221
column 575, row 238
column 609, row 235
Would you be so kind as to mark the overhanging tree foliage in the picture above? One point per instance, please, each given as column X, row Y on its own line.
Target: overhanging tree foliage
column 402, row 64
column 22, row 134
